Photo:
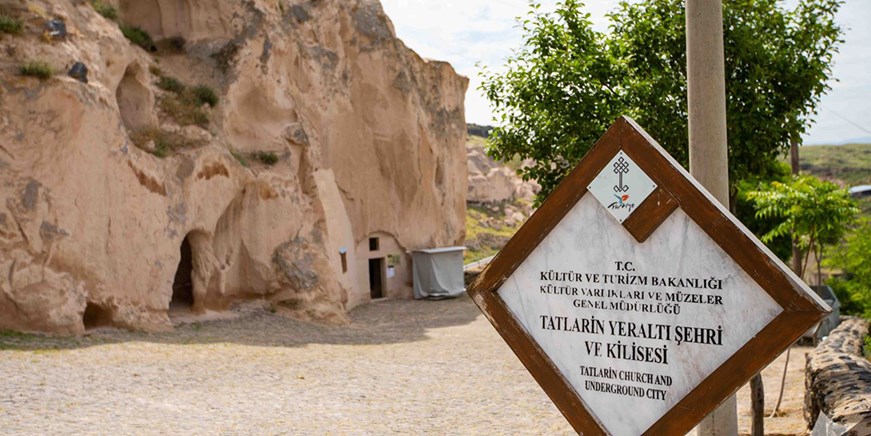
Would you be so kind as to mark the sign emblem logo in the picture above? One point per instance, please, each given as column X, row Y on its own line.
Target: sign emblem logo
column 621, row 167
column 621, row 186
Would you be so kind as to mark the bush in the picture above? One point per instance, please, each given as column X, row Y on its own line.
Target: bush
column 170, row 84
column 241, row 158
column 161, row 148
column 852, row 296
column 40, row 70
column 205, row 95
column 165, row 143
column 104, row 9
column 185, row 107
column 10, row 25
column 176, row 43
column 139, row 37
column 745, row 209
column 853, row 259
column 267, row 157
column 184, row 111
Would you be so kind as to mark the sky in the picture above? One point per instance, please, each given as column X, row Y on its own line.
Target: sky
column 474, row 33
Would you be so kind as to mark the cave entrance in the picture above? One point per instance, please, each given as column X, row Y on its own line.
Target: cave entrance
column 134, row 99
column 183, row 285
column 376, row 278
column 96, row 316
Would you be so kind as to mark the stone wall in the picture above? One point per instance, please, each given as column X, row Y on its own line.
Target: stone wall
column 838, row 377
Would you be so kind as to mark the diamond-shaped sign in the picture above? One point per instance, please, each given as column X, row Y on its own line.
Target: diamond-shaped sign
column 643, row 324
column 621, row 186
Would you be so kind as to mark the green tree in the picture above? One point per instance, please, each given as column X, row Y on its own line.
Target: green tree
column 745, row 209
column 558, row 95
column 813, row 212
column 567, row 83
column 853, row 258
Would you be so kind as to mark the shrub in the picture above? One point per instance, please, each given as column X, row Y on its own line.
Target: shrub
column 40, row 70
column 185, row 107
column 176, row 43
column 205, row 95
column 241, row 158
column 10, row 25
column 853, row 296
column 853, row 259
column 164, row 142
column 139, row 37
column 104, row 9
column 170, row 84
column 161, row 148
column 142, row 137
column 267, row 157
column 184, row 111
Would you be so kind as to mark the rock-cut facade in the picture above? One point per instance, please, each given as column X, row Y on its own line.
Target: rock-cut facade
column 289, row 151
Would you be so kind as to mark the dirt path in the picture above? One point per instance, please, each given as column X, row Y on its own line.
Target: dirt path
column 790, row 420
column 402, row 367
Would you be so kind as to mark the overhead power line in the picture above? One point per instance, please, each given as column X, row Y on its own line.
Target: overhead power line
column 855, row 124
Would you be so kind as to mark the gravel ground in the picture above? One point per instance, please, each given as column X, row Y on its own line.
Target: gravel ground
column 408, row 367
column 400, row 367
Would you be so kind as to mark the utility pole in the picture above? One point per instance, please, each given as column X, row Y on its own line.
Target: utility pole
column 706, row 87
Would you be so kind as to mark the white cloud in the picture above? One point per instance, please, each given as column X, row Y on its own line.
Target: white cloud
column 468, row 32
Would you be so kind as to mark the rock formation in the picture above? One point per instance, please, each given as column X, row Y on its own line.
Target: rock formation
column 316, row 150
column 494, row 182
column 499, row 201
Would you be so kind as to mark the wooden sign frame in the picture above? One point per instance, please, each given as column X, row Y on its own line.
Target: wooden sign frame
column 675, row 189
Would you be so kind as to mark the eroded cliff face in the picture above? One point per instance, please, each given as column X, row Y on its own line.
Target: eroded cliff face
column 331, row 150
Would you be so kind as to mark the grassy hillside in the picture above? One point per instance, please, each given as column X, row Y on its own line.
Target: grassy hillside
column 850, row 164
column 486, row 231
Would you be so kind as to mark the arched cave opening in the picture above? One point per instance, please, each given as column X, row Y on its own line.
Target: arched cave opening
column 96, row 316
column 134, row 100
column 183, row 284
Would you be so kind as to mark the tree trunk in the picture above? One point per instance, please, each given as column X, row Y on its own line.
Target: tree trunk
column 793, row 156
column 820, row 267
column 794, row 161
column 796, row 268
column 757, row 405
column 782, row 383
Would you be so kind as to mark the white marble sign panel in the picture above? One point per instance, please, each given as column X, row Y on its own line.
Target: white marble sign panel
column 634, row 327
